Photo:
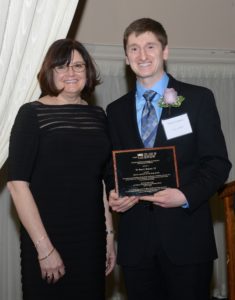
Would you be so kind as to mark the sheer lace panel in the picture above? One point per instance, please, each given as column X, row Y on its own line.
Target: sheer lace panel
column 82, row 117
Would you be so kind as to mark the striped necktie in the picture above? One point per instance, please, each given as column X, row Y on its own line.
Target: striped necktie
column 149, row 120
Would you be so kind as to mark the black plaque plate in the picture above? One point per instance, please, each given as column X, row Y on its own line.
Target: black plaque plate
column 146, row 171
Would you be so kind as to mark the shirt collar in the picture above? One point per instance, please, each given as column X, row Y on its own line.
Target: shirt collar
column 158, row 87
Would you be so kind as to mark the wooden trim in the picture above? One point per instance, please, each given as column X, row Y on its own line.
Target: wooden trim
column 227, row 194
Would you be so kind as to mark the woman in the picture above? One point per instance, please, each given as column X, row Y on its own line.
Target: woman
column 59, row 151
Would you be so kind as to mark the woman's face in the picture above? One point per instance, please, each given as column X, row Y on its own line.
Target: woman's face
column 72, row 78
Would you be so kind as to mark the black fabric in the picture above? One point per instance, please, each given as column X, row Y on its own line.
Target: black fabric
column 157, row 275
column 62, row 151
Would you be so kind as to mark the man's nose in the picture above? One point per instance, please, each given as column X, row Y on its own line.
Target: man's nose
column 142, row 54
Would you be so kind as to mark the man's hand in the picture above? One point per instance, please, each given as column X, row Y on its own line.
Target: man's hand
column 121, row 204
column 167, row 198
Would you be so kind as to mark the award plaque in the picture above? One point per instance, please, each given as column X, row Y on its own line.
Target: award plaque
column 142, row 172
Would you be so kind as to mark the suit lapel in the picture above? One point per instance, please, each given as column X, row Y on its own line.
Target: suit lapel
column 166, row 113
column 133, row 127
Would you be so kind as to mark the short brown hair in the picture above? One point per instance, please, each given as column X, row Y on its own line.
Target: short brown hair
column 60, row 53
column 143, row 25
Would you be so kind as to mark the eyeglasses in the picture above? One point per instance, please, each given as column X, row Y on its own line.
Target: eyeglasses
column 77, row 68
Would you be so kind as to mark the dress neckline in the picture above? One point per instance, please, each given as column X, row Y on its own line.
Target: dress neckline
column 62, row 105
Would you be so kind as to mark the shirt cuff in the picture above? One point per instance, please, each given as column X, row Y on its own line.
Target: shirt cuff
column 185, row 205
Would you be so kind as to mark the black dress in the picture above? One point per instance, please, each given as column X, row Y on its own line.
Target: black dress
column 62, row 151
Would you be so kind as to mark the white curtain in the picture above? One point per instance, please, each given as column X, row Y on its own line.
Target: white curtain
column 27, row 28
column 210, row 68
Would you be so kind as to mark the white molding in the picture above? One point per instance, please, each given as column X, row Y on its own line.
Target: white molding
column 106, row 52
column 202, row 56
column 177, row 55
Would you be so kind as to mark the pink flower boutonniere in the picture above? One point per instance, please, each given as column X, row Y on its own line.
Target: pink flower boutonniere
column 170, row 99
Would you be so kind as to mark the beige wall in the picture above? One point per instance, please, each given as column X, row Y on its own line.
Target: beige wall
column 203, row 24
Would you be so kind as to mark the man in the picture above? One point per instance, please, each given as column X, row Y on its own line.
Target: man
column 167, row 248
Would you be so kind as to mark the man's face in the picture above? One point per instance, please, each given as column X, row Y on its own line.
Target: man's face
column 146, row 57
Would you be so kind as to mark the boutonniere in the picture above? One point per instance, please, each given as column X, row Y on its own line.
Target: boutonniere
column 170, row 99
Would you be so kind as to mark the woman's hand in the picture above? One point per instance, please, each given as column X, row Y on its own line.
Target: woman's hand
column 50, row 261
column 52, row 266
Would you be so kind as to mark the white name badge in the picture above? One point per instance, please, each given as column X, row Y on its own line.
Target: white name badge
column 177, row 126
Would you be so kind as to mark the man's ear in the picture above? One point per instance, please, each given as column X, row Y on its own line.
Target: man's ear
column 127, row 61
column 165, row 52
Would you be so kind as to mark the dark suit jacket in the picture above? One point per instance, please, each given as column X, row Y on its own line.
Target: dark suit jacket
column 186, row 234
